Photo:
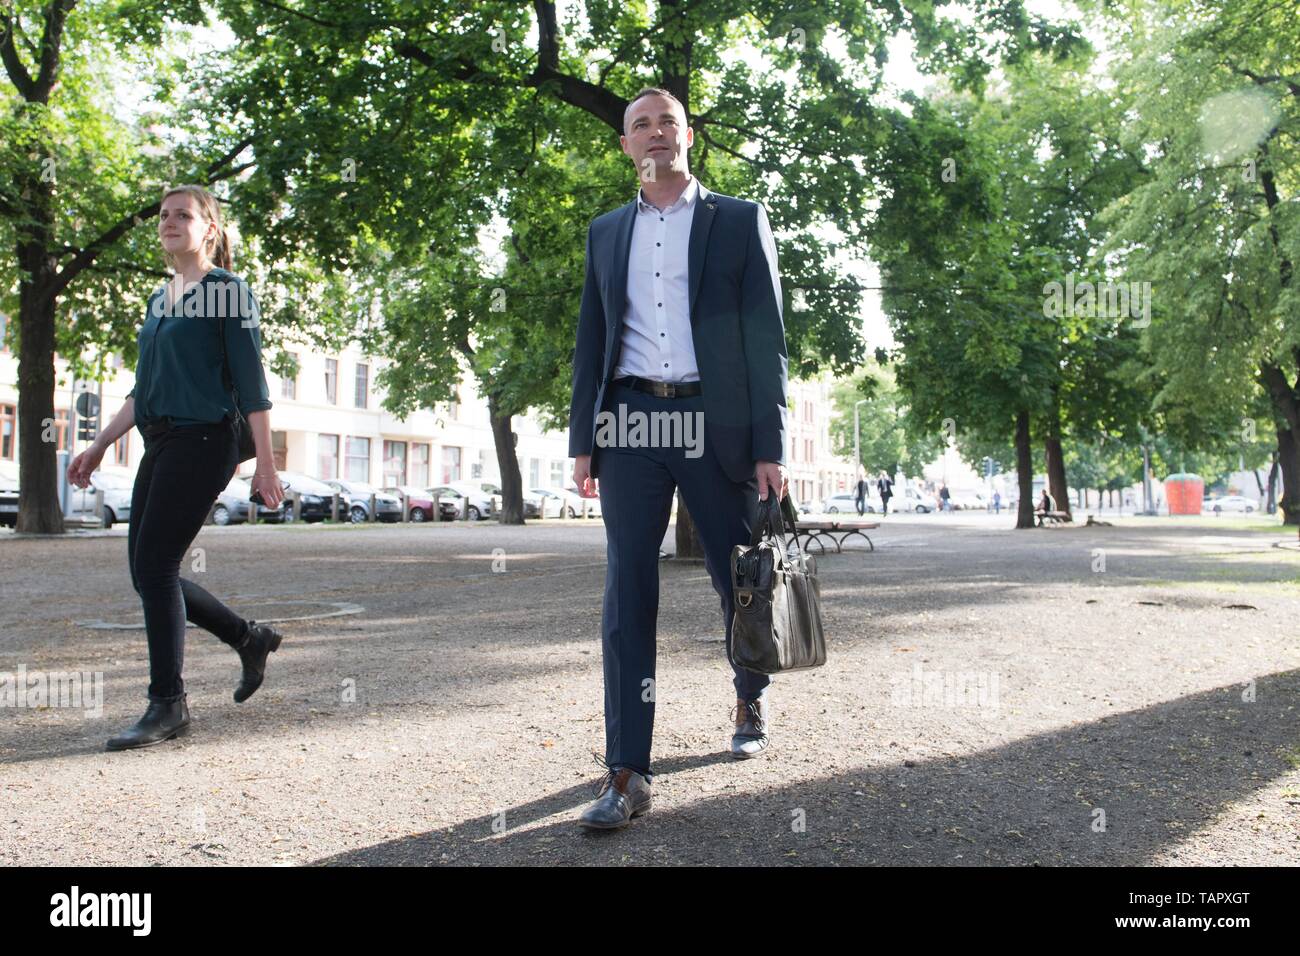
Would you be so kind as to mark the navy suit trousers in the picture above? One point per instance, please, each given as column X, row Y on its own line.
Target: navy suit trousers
column 636, row 494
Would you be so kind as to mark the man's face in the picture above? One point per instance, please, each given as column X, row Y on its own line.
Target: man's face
column 656, row 137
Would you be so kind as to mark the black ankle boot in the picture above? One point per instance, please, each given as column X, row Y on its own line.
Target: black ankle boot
column 260, row 641
column 161, row 721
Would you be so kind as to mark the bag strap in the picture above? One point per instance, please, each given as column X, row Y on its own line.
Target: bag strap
column 227, row 378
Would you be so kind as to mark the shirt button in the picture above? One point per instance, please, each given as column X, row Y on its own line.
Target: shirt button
column 665, row 364
column 661, row 335
column 661, row 305
column 656, row 275
column 658, row 243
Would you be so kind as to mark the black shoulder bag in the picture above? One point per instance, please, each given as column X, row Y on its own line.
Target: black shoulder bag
column 244, row 434
column 778, row 620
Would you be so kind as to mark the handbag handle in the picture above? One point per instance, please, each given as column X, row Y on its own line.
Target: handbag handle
column 773, row 517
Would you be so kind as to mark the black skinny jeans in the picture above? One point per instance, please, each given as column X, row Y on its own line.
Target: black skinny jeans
column 182, row 472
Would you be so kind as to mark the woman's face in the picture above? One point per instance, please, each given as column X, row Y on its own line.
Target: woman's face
column 181, row 226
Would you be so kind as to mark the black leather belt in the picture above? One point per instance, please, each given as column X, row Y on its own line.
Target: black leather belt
column 661, row 389
column 153, row 427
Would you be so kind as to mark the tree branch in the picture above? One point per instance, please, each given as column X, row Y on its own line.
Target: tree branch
column 85, row 257
column 1259, row 80
column 18, row 75
column 56, row 16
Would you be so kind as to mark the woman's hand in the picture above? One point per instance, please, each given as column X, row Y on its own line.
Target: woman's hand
column 84, row 465
column 268, row 486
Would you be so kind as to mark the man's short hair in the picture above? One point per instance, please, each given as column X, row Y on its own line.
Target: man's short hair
column 649, row 91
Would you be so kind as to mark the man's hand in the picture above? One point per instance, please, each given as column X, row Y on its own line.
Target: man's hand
column 582, row 477
column 772, row 475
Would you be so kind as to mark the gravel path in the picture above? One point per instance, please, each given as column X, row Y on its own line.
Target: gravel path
column 452, row 720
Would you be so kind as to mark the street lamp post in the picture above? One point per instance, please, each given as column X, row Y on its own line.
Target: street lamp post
column 857, row 445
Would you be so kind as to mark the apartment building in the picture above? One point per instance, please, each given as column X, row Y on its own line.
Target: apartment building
column 328, row 422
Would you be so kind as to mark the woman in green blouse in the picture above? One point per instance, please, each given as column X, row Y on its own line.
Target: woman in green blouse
column 184, row 407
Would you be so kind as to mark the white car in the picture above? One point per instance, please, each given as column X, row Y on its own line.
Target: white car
column 846, row 503
column 914, row 502
column 8, row 494
column 1230, row 503
column 116, row 487
column 570, row 501
column 480, row 504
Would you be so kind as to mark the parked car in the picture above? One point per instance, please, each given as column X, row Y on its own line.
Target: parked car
column 233, row 505
column 1236, row 503
column 116, row 487
column 845, row 503
column 480, row 505
column 915, row 502
column 8, row 494
column 489, row 488
column 316, row 497
column 964, row 501
column 570, row 501
column 556, row 502
column 420, row 503
column 357, row 495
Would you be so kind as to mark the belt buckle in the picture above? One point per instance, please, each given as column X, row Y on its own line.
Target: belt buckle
column 664, row 389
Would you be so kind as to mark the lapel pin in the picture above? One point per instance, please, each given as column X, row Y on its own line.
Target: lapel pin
column 712, row 206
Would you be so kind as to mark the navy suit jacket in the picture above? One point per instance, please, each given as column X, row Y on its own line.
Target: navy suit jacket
column 736, row 327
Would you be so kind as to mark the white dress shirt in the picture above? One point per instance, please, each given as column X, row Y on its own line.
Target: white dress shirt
column 656, row 340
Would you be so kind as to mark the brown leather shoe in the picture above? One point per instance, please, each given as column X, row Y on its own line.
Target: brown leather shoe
column 623, row 794
column 750, row 738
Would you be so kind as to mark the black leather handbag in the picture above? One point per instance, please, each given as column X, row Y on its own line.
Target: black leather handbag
column 778, row 621
column 244, row 434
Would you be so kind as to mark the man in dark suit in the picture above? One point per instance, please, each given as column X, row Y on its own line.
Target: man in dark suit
column 680, row 322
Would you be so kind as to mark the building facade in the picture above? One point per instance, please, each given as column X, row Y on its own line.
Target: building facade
column 328, row 422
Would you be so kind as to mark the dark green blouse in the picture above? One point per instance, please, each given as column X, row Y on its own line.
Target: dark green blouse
column 178, row 373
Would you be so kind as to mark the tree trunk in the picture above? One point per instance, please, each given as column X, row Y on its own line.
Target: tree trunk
column 39, row 509
column 1289, row 463
column 1286, row 400
column 1271, row 507
column 1024, row 472
column 688, row 539
column 1056, row 483
column 512, row 485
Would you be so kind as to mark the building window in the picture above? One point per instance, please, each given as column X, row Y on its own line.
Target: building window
column 289, row 383
column 557, row 474
column 453, row 407
column 327, row 457
column 358, row 459
column 8, row 429
column 450, row 464
column 363, row 385
column 394, row 463
column 420, row 464
column 279, row 450
column 332, row 381
column 534, row 472
column 122, row 450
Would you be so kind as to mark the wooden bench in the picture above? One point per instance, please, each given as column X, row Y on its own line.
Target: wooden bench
column 819, row 531
column 1044, row 518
